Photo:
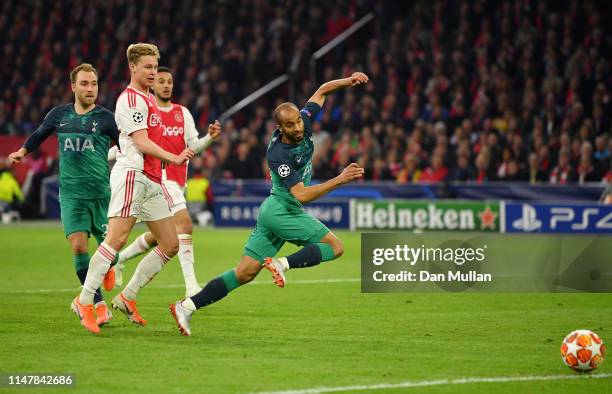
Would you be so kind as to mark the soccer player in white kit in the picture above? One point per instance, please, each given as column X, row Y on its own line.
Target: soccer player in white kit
column 179, row 132
column 136, row 191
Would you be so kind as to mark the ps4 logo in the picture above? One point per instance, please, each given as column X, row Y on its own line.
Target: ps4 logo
column 528, row 221
column 569, row 218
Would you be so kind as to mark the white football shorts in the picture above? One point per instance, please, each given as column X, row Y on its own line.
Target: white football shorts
column 175, row 194
column 134, row 194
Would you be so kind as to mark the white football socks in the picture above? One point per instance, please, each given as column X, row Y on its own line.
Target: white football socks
column 186, row 259
column 148, row 267
column 99, row 265
column 189, row 305
column 284, row 262
column 136, row 248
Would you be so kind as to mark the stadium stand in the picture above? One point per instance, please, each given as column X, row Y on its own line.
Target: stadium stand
column 519, row 91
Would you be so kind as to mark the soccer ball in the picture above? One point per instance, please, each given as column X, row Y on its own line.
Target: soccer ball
column 582, row 350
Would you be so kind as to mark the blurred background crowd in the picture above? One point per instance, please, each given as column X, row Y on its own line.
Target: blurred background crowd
column 460, row 91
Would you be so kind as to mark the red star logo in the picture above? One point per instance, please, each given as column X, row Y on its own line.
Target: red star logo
column 487, row 218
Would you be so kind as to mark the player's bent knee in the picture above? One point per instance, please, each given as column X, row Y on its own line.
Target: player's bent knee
column 184, row 228
column 118, row 231
column 245, row 275
column 150, row 239
column 78, row 243
column 117, row 242
column 182, row 222
column 171, row 248
column 334, row 243
column 247, row 270
column 338, row 248
column 79, row 248
column 174, row 249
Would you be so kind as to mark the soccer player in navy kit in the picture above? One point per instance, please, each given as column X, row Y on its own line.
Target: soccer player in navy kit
column 84, row 133
column 281, row 217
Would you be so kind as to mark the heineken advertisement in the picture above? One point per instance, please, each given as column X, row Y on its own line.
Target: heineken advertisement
column 425, row 215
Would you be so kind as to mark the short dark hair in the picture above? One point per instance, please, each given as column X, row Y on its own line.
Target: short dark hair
column 282, row 107
column 81, row 67
column 164, row 69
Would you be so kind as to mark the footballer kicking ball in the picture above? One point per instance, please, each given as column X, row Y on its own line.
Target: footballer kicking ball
column 582, row 350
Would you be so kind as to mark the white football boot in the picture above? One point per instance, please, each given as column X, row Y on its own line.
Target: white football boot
column 277, row 269
column 182, row 316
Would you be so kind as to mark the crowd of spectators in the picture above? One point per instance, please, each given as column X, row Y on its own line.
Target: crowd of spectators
column 460, row 91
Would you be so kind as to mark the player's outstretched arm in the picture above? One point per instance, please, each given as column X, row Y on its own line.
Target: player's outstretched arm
column 320, row 95
column 305, row 194
column 148, row 147
column 46, row 128
column 199, row 144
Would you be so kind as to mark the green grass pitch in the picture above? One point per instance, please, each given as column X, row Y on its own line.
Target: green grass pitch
column 308, row 335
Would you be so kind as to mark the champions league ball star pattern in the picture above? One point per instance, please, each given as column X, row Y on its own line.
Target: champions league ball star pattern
column 284, row 170
column 582, row 350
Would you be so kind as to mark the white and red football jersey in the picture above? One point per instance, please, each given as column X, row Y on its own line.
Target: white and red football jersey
column 136, row 110
column 179, row 132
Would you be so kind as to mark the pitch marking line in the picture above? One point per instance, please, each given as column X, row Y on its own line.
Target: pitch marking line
column 177, row 286
column 441, row 382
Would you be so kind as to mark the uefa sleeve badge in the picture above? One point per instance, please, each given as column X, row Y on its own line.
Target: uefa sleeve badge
column 284, row 170
column 137, row 117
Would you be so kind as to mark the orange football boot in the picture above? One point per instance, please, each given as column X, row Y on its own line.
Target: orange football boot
column 109, row 279
column 128, row 308
column 103, row 314
column 86, row 314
